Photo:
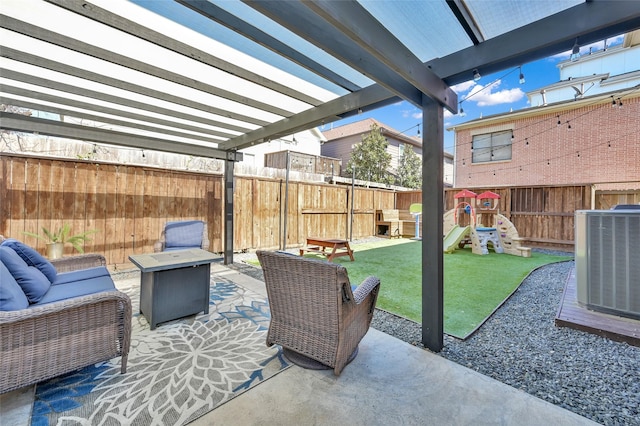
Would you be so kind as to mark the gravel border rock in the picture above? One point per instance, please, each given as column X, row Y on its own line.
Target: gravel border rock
column 521, row 346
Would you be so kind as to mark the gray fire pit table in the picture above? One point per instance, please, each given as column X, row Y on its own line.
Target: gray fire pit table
column 174, row 284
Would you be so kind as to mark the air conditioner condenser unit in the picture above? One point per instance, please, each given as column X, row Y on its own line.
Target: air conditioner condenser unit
column 607, row 254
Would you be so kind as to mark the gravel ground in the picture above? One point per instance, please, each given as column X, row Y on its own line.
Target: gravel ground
column 521, row 346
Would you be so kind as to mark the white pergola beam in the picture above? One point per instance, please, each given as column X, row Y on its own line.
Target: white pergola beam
column 61, row 100
column 128, row 26
column 41, row 62
column 39, row 33
column 21, row 123
column 38, row 106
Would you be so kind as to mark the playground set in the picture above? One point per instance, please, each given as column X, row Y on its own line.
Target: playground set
column 485, row 226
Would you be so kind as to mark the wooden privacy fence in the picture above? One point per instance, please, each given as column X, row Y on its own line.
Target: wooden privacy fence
column 544, row 215
column 313, row 209
column 129, row 205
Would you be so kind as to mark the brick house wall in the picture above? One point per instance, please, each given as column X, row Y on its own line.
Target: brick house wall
column 594, row 143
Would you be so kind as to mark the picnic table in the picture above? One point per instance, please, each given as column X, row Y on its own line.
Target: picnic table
column 322, row 246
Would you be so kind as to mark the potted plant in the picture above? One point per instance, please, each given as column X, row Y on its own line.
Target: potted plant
column 55, row 240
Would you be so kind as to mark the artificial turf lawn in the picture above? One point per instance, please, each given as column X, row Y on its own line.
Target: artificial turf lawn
column 474, row 285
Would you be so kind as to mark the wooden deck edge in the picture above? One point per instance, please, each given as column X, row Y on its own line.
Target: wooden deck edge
column 584, row 321
column 611, row 335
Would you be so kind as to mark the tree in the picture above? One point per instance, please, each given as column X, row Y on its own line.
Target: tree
column 370, row 158
column 410, row 169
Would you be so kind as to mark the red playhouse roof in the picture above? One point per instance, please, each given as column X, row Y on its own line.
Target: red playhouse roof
column 465, row 193
column 488, row 194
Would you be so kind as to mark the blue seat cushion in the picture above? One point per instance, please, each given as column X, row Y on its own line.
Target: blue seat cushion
column 79, row 283
column 81, row 275
column 183, row 234
column 33, row 258
column 12, row 298
column 34, row 284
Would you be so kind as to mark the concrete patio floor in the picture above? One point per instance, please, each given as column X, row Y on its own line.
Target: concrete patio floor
column 389, row 383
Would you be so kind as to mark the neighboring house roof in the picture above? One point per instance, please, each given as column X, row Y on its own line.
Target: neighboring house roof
column 364, row 126
column 572, row 81
column 621, row 77
column 532, row 111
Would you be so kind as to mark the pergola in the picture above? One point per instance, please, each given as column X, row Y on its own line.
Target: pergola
column 208, row 78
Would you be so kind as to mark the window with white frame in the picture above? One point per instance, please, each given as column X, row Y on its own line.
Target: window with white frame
column 494, row 146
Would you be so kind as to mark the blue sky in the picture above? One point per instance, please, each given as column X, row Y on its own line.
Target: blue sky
column 492, row 94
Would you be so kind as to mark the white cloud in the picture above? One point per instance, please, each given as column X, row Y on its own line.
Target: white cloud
column 490, row 95
column 463, row 87
column 417, row 114
column 414, row 113
column 506, row 96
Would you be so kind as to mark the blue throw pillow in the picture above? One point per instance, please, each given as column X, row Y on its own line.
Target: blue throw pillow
column 31, row 280
column 33, row 258
column 12, row 297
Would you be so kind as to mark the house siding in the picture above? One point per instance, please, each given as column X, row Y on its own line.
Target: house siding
column 340, row 142
column 341, row 148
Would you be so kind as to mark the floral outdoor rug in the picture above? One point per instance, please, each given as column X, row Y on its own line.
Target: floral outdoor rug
column 176, row 373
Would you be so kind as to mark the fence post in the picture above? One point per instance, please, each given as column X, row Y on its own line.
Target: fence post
column 286, row 201
column 353, row 179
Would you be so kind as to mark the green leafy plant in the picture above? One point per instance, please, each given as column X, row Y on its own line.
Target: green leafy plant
column 370, row 157
column 62, row 236
column 410, row 169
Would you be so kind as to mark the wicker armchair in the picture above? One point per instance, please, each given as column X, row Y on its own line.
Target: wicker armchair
column 314, row 311
column 46, row 341
column 183, row 235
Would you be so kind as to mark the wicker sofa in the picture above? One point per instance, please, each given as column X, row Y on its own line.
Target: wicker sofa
column 64, row 332
column 315, row 313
